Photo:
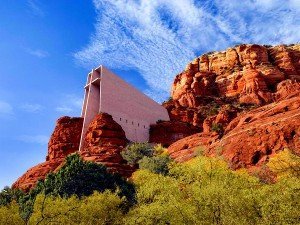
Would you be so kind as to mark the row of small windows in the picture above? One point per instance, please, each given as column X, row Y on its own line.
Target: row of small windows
column 138, row 124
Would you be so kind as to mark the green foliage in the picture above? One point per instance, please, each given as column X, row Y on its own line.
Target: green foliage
column 285, row 164
column 213, row 109
column 268, row 46
column 7, row 195
column 217, row 127
column 82, row 178
column 134, row 152
column 9, row 214
column 79, row 178
column 168, row 100
column 156, row 164
column 201, row 191
column 99, row 208
column 145, row 156
column 205, row 191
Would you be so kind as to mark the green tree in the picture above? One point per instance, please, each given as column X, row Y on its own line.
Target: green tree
column 7, row 195
column 82, row 178
column 134, row 152
column 156, row 164
column 285, row 164
column 9, row 214
column 98, row 208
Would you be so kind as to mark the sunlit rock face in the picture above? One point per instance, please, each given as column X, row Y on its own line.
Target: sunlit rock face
column 245, row 100
column 250, row 72
column 104, row 140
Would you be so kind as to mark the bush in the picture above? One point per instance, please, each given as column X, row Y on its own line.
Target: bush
column 82, row 178
column 9, row 214
column 7, row 195
column 156, row 164
column 134, row 152
column 217, row 127
column 98, row 208
column 285, row 164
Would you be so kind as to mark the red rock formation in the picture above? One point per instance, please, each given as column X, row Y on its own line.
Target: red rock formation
column 251, row 138
column 167, row 132
column 245, row 74
column 65, row 138
column 29, row 179
column 64, row 141
column 191, row 146
column 103, row 143
column 265, row 77
column 225, row 73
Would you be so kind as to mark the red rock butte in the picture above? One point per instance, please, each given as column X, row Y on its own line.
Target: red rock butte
column 242, row 104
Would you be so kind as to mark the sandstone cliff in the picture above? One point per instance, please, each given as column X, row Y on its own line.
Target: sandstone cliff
column 103, row 142
column 245, row 100
column 63, row 141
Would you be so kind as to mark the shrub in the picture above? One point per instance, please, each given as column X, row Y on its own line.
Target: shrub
column 76, row 178
column 7, row 195
column 156, row 164
column 285, row 164
column 9, row 214
column 98, row 208
column 82, row 178
column 136, row 151
column 217, row 127
column 213, row 109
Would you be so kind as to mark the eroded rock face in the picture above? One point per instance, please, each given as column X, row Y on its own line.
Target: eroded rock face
column 65, row 138
column 167, row 132
column 239, row 70
column 104, row 141
column 253, row 94
column 63, row 141
column 251, row 138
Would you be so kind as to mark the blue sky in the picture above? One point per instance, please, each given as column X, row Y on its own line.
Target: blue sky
column 48, row 47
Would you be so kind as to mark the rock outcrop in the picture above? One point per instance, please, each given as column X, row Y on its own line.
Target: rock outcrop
column 64, row 141
column 65, row 138
column 167, row 132
column 253, row 94
column 104, row 141
column 250, row 72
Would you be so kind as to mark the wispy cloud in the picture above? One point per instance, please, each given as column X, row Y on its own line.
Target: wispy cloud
column 158, row 38
column 34, row 139
column 35, row 8
column 37, row 52
column 70, row 104
column 6, row 109
column 31, row 107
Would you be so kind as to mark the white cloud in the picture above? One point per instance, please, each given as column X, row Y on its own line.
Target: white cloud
column 63, row 109
column 70, row 104
column 35, row 8
column 6, row 110
column 34, row 139
column 159, row 37
column 31, row 108
column 38, row 53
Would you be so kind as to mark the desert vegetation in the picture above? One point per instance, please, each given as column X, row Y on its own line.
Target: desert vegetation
column 201, row 191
